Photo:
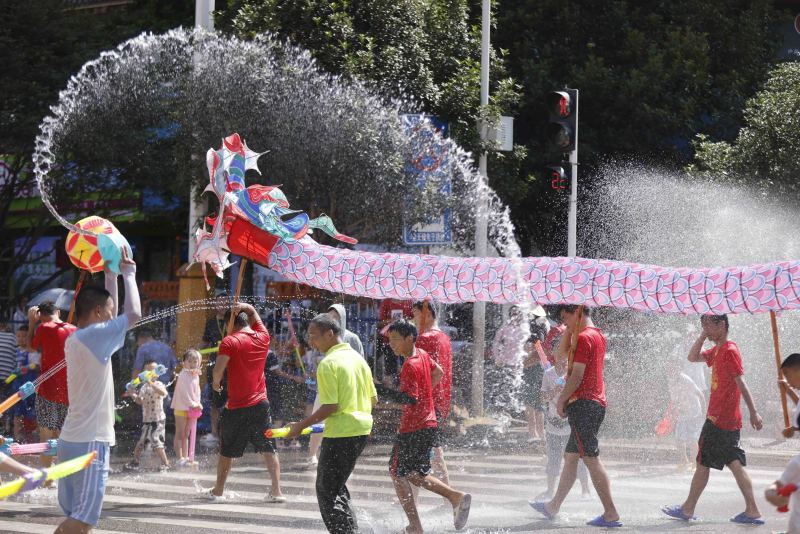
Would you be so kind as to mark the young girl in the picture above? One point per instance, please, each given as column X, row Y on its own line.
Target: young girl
column 185, row 397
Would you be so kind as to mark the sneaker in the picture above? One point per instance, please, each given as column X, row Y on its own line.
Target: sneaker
column 544, row 496
column 183, row 462
column 164, row 467
column 270, row 498
column 207, row 495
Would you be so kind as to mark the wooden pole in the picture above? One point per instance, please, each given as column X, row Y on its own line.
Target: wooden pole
column 573, row 345
column 242, row 265
column 75, row 296
column 776, row 344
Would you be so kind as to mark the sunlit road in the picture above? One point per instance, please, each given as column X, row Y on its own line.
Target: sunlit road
column 501, row 484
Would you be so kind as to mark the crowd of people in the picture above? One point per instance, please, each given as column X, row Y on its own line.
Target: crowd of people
column 557, row 371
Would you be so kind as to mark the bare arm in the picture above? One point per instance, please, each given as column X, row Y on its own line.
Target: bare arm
column 573, row 381
column 133, row 309
column 33, row 318
column 159, row 387
column 219, row 371
column 695, row 353
column 755, row 419
column 436, row 374
column 111, row 287
column 320, row 415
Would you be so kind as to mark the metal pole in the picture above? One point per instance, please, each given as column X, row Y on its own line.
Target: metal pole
column 572, row 239
column 481, row 226
column 198, row 207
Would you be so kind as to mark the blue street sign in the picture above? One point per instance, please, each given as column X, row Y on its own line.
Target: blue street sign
column 430, row 162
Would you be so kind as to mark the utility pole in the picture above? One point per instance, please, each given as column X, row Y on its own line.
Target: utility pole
column 481, row 225
column 197, row 207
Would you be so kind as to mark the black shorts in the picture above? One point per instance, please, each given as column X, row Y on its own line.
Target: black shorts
column 438, row 435
column 585, row 417
column 412, row 453
column 716, row 447
column 241, row 426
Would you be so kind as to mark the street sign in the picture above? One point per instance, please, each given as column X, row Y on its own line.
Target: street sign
column 429, row 162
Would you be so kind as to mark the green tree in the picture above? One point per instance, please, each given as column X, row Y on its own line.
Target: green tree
column 767, row 148
column 651, row 75
column 424, row 52
column 42, row 44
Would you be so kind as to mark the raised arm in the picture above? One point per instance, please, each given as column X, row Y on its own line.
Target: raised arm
column 695, row 353
column 133, row 309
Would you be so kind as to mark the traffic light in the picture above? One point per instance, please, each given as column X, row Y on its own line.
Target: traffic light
column 558, row 176
column 562, row 131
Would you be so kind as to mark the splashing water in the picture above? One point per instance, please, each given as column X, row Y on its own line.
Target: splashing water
column 158, row 98
column 667, row 218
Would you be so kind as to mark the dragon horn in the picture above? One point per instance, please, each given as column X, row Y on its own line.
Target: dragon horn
column 324, row 223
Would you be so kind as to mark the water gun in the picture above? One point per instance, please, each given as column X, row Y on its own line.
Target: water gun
column 25, row 390
column 209, row 350
column 785, row 491
column 546, row 363
column 145, row 376
column 48, row 448
column 283, row 432
column 20, row 371
column 35, row 480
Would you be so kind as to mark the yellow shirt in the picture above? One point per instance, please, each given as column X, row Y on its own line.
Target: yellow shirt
column 345, row 379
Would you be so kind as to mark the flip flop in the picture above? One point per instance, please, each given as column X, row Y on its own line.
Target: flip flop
column 745, row 519
column 542, row 509
column 461, row 513
column 676, row 512
column 600, row 521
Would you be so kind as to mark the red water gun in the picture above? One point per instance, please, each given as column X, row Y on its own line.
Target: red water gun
column 785, row 491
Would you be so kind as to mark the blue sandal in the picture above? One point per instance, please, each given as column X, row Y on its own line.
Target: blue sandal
column 745, row 519
column 676, row 512
column 540, row 507
column 600, row 521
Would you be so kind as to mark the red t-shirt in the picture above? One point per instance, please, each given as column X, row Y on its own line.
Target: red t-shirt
column 591, row 351
column 49, row 340
column 551, row 341
column 247, row 352
column 394, row 310
column 437, row 345
column 415, row 381
column 723, row 404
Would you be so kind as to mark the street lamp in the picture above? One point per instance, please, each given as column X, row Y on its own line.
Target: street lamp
column 197, row 207
column 481, row 225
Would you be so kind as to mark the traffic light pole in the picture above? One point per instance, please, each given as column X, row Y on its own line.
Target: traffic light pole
column 572, row 238
column 481, row 228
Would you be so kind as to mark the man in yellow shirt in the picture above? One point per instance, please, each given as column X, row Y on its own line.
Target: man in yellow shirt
column 346, row 395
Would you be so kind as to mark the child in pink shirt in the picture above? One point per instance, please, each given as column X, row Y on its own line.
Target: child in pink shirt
column 185, row 397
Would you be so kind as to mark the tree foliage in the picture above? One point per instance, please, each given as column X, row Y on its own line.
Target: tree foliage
column 42, row 44
column 426, row 53
column 651, row 75
column 767, row 148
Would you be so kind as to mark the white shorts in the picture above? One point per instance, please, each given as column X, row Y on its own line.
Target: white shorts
column 80, row 495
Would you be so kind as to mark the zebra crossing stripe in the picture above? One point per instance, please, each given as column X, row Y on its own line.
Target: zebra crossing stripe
column 42, row 528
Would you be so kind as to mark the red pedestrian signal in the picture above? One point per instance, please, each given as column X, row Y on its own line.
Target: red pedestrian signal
column 562, row 107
